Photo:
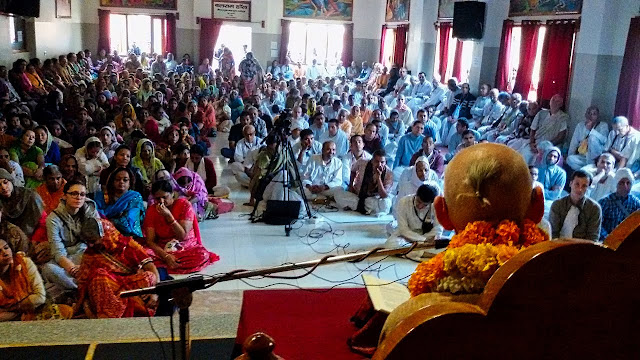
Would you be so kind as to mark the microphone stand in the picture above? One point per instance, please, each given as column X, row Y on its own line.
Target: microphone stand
column 182, row 290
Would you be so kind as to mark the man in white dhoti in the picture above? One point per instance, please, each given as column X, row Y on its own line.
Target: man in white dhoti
column 323, row 175
column 243, row 161
column 420, row 93
column 588, row 140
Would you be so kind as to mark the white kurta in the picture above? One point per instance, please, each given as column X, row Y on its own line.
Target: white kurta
column 409, row 221
column 627, row 145
column 597, row 138
column 410, row 182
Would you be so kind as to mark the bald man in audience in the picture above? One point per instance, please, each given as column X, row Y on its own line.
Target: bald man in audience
column 623, row 142
column 245, row 152
column 548, row 126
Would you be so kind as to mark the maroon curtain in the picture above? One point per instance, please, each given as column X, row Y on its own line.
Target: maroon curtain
column 445, row 33
column 628, row 100
column 503, row 72
column 104, row 30
column 209, row 31
column 347, row 45
column 400, row 46
column 457, row 61
column 528, row 48
column 170, row 35
column 555, row 65
column 383, row 37
column 284, row 40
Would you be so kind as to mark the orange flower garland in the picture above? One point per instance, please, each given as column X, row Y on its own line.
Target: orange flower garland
column 473, row 255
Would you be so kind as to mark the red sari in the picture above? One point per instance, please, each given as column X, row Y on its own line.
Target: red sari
column 190, row 253
column 106, row 272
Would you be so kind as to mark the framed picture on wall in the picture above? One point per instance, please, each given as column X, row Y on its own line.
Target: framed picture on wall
column 397, row 10
column 146, row 4
column 63, row 8
column 548, row 7
column 445, row 9
column 319, row 9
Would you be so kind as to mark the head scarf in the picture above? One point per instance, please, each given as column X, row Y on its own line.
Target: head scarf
column 624, row 173
column 4, row 174
column 138, row 163
column 195, row 188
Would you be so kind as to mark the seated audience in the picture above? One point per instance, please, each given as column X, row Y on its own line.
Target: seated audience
column 356, row 153
column 460, row 109
column 428, row 150
column 109, row 141
column 21, row 206
column 416, row 175
column 111, row 264
column 203, row 166
column 122, row 205
column 407, row 146
column 603, row 173
column 30, row 157
column 91, row 162
column 63, row 230
column 370, row 190
column 235, row 135
column 576, row 215
column 337, row 136
column 468, row 139
column 552, row 176
column 22, row 293
column 588, row 140
column 618, row 205
column 456, row 138
column 371, row 139
column 173, row 234
column 318, row 125
column 12, row 167
column 49, row 148
column 303, row 149
column 244, row 153
column 52, row 190
column 623, row 142
column 146, row 162
column 323, row 174
column 548, row 125
column 189, row 185
column 415, row 218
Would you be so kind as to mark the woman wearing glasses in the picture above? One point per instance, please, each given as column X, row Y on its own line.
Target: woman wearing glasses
column 173, row 234
column 63, row 230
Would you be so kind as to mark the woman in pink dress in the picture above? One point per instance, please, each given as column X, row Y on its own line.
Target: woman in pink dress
column 173, row 235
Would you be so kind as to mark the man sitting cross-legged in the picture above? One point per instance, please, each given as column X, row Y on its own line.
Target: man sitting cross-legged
column 306, row 147
column 244, row 154
column 323, row 174
column 370, row 191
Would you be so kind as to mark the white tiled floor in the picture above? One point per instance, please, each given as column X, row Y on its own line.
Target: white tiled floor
column 242, row 245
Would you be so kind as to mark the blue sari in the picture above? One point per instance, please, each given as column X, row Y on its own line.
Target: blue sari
column 127, row 214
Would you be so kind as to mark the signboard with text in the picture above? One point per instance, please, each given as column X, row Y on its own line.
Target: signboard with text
column 231, row 10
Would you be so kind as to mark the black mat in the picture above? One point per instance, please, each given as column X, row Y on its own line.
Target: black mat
column 212, row 349
column 67, row 352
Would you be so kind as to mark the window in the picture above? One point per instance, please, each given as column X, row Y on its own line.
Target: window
column 514, row 61
column 144, row 31
column 466, row 59
column 389, row 44
column 17, row 33
column 237, row 39
column 308, row 41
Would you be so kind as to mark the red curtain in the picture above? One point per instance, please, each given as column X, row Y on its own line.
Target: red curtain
column 555, row 65
column 104, row 30
column 457, row 61
column 503, row 73
column 383, row 37
column 209, row 31
column 347, row 45
column 170, row 35
column 445, row 34
column 628, row 100
column 528, row 48
column 400, row 46
column 284, row 40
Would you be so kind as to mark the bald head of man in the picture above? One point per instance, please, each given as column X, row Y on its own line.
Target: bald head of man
column 488, row 182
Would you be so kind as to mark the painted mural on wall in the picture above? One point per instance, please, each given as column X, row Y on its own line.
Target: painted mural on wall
column 544, row 7
column 319, row 9
column 397, row 10
column 445, row 9
column 148, row 4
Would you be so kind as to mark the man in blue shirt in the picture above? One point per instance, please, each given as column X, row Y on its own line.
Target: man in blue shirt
column 407, row 146
column 619, row 205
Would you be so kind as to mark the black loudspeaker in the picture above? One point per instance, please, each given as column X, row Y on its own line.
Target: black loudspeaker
column 468, row 20
column 280, row 212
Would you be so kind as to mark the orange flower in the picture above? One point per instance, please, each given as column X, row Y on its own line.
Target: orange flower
column 532, row 234
column 475, row 233
column 426, row 276
column 505, row 253
column 507, row 233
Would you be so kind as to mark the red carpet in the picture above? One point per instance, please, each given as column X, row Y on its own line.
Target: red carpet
column 305, row 325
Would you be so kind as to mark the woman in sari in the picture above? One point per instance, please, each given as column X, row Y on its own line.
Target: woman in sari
column 147, row 162
column 45, row 142
column 52, row 190
column 109, row 141
column 227, row 64
column 251, row 74
column 35, row 80
column 126, row 112
column 30, row 157
column 191, row 187
column 114, row 263
column 173, row 234
column 121, row 205
column 122, row 159
column 165, row 151
column 69, row 167
column 22, row 293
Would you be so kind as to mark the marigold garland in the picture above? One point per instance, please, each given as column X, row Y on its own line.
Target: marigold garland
column 473, row 255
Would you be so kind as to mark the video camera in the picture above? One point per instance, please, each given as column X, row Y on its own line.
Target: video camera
column 283, row 125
